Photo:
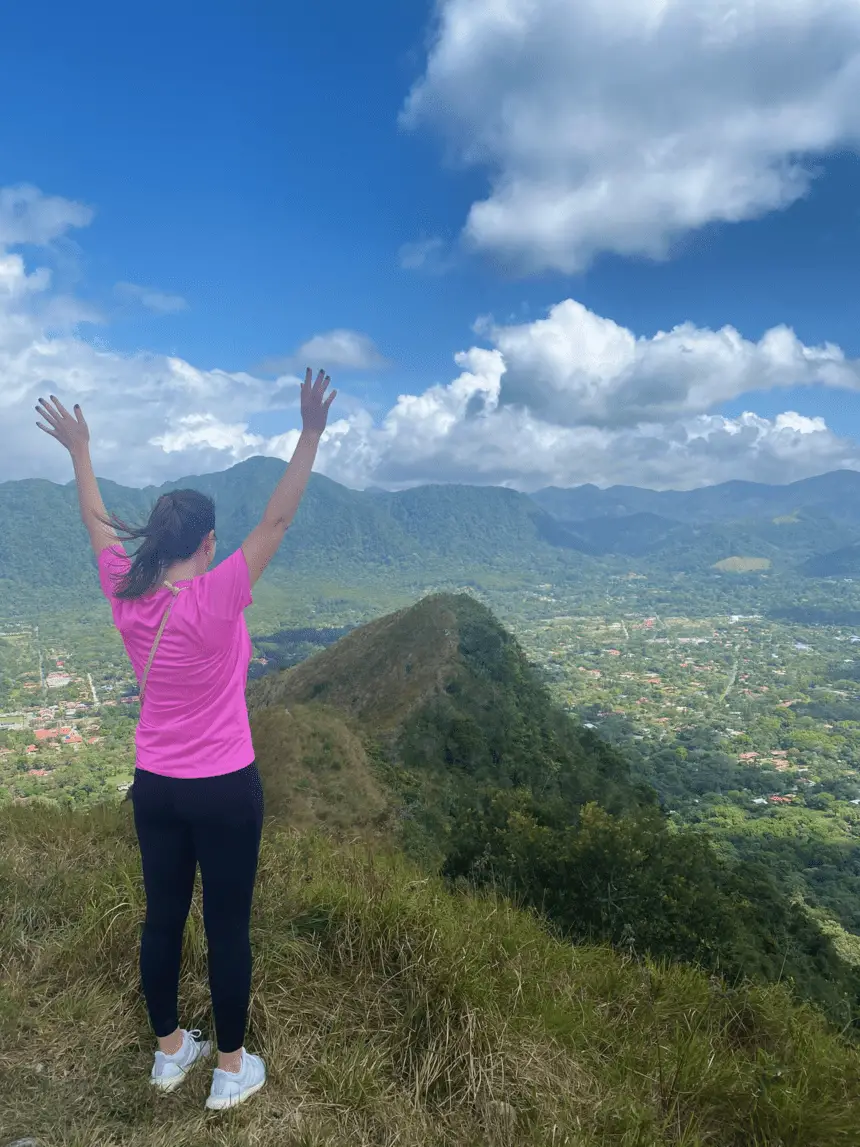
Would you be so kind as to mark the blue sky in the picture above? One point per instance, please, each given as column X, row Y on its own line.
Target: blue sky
column 250, row 175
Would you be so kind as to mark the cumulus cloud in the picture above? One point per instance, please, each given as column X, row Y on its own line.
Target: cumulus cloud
column 569, row 398
column 577, row 367
column 132, row 401
column 465, row 432
column 344, row 349
column 159, row 302
column 620, row 125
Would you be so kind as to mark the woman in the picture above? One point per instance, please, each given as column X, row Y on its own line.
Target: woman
column 197, row 797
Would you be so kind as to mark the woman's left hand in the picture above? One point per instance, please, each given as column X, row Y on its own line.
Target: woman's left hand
column 69, row 429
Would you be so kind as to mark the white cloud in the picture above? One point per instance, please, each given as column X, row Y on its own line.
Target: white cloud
column 464, row 432
column 28, row 216
column 159, row 302
column 619, row 125
column 343, row 349
column 576, row 367
column 572, row 397
column 131, row 400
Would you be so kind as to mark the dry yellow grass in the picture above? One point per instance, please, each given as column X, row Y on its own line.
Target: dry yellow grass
column 392, row 1013
column 377, row 673
column 317, row 773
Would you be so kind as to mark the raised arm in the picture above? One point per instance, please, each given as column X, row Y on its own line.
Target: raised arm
column 262, row 543
column 72, row 431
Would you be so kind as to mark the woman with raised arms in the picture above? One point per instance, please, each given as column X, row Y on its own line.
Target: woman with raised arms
column 197, row 796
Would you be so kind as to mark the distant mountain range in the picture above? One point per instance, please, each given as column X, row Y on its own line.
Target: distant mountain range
column 835, row 495
column 339, row 535
column 812, row 526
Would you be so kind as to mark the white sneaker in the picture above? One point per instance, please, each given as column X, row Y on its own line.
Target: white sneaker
column 169, row 1071
column 232, row 1087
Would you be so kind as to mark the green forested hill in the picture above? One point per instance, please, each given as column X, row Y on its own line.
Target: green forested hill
column 682, row 546
column 460, row 522
column 460, row 757
column 450, row 702
column 841, row 562
column 338, row 533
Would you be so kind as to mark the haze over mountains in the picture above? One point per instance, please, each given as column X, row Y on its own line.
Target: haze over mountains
column 812, row 526
column 836, row 494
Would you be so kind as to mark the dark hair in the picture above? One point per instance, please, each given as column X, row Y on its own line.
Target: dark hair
column 178, row 523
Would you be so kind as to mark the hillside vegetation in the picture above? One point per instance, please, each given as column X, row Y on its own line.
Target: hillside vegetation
column 462, row 760
column 447, row 707
column 841, row 562
column 320, row 774
column 420, row 783
column 392, row 1013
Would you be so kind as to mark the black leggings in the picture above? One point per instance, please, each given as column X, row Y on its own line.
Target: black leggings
column 216, row 822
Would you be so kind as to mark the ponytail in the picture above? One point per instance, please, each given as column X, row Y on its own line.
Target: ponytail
column 178, row 523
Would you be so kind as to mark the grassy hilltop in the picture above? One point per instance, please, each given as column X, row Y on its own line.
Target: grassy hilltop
column 414, row 771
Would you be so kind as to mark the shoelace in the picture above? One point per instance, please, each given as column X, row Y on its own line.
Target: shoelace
column 194, row 1034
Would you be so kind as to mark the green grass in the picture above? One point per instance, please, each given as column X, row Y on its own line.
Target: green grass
column 742, row 565
column 390, row 1011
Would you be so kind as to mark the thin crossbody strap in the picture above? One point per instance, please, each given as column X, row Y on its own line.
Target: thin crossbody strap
column 175, row 592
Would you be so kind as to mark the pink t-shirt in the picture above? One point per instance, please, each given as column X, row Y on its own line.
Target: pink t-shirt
column 194, row 721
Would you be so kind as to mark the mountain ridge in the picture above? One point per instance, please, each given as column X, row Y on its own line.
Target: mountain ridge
column 433, row 532
column 44, row 547
column 445, row 699
column 468, row 765
column 721, row 501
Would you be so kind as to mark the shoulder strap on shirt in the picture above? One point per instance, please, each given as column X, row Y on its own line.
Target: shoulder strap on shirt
column 175, row 591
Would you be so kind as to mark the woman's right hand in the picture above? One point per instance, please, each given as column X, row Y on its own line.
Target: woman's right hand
column 69, row 429
column 314, row 405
